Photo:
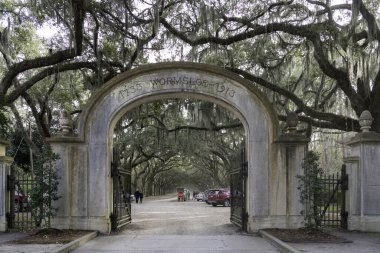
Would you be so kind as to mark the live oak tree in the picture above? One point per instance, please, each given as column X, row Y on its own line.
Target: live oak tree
column 307, row 56
column 195, row 140
column 95, row 41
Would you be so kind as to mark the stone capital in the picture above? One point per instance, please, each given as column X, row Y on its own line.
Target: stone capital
column 292, row 138
column 364, row 137
column 3, row 145
column 6, row 159
column 65, row 139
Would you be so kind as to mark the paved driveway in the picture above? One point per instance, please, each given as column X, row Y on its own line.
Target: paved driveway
column 164, row 225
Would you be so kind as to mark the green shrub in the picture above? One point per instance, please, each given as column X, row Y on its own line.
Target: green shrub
column 45, row 191
column 311, row 191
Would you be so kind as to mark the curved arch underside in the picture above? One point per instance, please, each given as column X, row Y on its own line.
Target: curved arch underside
column 87, row 159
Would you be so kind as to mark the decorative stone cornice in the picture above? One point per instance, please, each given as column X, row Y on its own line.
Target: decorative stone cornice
column 6, row 159
column 3, row 145
column 292, row 139
column 65, row 139
column 3, row 158
column 365, row 137
column 291, row 136
column 351, row 159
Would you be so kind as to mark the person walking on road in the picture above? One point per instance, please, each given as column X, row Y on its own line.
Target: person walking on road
column 137, row 196
column 141, row 197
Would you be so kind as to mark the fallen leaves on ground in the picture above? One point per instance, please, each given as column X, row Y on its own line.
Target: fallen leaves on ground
column 303, row 235
column 51, row 236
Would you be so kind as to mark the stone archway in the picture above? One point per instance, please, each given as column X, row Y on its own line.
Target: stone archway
column 84, row 167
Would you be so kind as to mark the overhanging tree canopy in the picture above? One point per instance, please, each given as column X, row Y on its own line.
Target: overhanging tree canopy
column 307, row 54
column 317, row 58
column 186, row 137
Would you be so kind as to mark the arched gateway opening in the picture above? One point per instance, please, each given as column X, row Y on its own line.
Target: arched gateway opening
column 85, row 159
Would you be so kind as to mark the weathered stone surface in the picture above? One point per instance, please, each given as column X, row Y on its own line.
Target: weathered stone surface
column 5, row 163
column 89, row 205
column 3, row 145
column 364, row 182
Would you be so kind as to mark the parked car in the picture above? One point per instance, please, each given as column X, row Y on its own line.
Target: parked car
column 21, row 201
column 206, row 193
column 220, row 197
column 200, row 196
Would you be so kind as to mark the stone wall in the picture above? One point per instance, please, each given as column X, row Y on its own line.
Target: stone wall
column 363, row 169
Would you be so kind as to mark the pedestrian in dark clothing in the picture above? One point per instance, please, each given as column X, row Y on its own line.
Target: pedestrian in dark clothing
column 141, row 197
column 137, row 196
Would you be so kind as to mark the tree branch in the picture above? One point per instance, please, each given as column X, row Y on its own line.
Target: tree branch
column 45, row 73
column 24, row 133
column 373, row 28
column 60, row 56
column 328, row 117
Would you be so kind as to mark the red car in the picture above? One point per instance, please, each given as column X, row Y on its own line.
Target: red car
column 180, row 194
column 219, row 197
column 21, row 201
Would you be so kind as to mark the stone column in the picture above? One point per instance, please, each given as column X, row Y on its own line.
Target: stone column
column 363, row 169
column 72, row 175
column 72, row 171
column 5, row 163
column 292, row 150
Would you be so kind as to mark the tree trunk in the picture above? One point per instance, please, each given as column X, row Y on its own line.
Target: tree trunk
column 375, row 111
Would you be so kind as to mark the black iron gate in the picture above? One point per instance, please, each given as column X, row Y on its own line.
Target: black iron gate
column 238, row 177
column 121, row 213
column 19, row 185
column 333, row 211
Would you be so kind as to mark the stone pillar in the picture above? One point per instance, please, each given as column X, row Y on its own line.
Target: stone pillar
column 72, row 175
column 292, row 149
column 74, row 182
column 5, row 163
column 363, row 169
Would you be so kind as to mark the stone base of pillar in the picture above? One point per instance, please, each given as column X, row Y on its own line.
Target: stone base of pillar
column 3, row 223
column 101, row 224
column 5, row 163
column 364, row 223
column 278, row 221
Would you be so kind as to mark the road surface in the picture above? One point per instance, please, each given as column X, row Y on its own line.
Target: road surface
column 164, row 225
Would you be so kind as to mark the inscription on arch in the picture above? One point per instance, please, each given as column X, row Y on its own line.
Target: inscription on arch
column 182, row 81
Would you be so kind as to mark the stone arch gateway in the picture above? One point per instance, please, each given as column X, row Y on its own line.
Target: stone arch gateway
column 85, row 158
